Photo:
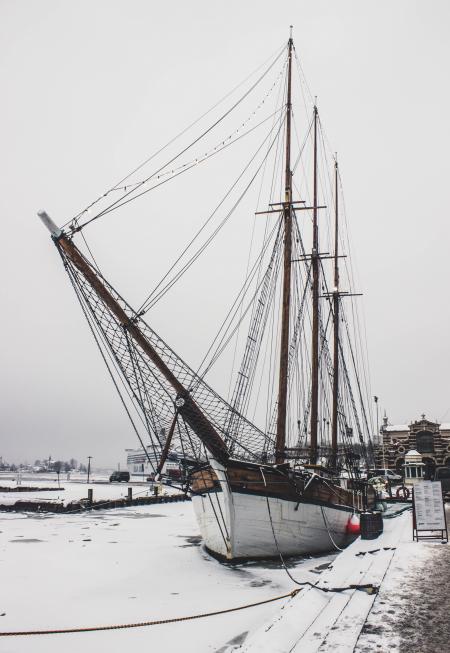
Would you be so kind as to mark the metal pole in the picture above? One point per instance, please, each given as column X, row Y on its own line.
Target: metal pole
column 89, row 468
column 378, row 432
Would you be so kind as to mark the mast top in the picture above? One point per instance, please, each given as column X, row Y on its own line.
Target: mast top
column 291, row 27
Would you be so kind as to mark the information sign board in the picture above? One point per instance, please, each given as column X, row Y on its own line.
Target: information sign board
column 428, row 508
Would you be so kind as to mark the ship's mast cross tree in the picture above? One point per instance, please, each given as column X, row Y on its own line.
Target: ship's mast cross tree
column 260, row 464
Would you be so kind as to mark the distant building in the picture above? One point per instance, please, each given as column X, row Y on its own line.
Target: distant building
column 145, row 463
column 430, row 439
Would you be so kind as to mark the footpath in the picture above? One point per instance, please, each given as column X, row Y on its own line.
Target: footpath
column 411, row 611
column 408, row 610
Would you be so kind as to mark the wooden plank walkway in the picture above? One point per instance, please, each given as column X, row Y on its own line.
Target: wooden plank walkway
column 325, row 622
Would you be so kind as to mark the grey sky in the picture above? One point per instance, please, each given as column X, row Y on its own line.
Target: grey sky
column 89, row 88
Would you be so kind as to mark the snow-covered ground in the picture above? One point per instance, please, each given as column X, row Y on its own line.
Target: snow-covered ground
column 123, row 566
column 51, row 478
column 411, row 611
column 145, row 563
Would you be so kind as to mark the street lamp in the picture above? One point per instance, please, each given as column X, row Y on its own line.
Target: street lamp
column 89, row 468
column 378, row 432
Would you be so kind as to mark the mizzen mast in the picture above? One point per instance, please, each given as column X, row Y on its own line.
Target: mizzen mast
column 315, row 311
column 334, row 414
column 285, row 315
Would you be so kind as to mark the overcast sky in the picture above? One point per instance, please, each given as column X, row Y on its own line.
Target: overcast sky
column 89, row 88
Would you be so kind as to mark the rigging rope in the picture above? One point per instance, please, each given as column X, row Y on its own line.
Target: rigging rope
column 223, row 143
column 116, row 204
column 192, row 124
column 153, row 298
column 370, row 588
column 91, row 327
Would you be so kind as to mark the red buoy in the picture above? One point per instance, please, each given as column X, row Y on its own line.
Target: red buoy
column 353, row 527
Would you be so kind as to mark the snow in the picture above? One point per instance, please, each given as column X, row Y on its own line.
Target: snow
column 147, row 562
column 405, row 427
column 410, row 613
column 72, row 490
column 123, row 566
column 328, row 621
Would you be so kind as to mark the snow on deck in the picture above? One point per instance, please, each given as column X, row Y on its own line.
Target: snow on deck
column 124, row 566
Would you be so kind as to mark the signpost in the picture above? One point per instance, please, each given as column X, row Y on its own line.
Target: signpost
column 428, row 511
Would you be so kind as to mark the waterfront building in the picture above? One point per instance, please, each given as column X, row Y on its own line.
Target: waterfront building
column 145, row 463
column 431, row 440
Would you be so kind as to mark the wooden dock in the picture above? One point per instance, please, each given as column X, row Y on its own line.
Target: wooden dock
column 317, row 621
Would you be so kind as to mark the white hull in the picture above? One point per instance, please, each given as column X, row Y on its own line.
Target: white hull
column 238, row 525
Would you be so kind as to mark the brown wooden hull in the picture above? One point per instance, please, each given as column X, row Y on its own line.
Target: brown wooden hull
column 277, row 483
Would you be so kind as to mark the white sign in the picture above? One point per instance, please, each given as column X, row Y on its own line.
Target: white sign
column 429, row 506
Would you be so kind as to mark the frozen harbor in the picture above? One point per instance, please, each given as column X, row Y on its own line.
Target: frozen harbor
column 147, row 563
column 47, row 489
column 125, row 566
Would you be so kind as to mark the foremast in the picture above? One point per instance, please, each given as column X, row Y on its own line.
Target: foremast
column 287, row 263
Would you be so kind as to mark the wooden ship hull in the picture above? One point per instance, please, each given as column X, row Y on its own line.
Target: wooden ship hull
column 257, row 511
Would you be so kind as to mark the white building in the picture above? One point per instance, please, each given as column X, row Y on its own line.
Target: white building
column 140, row 462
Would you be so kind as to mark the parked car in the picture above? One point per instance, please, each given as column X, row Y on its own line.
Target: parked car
column 386, row 474
column 442, row 474
column 119, row 477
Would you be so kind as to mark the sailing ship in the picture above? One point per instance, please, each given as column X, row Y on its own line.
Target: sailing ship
column 285, row 488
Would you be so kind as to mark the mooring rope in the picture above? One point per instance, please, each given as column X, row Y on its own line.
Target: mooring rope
column 369, row 588
column 141, row 624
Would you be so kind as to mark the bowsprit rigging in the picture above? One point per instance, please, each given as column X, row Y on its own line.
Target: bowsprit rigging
column 276, row 468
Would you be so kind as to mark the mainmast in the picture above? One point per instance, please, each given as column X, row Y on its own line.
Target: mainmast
column 315, row 310
column 285, row 316
column 334, row 415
